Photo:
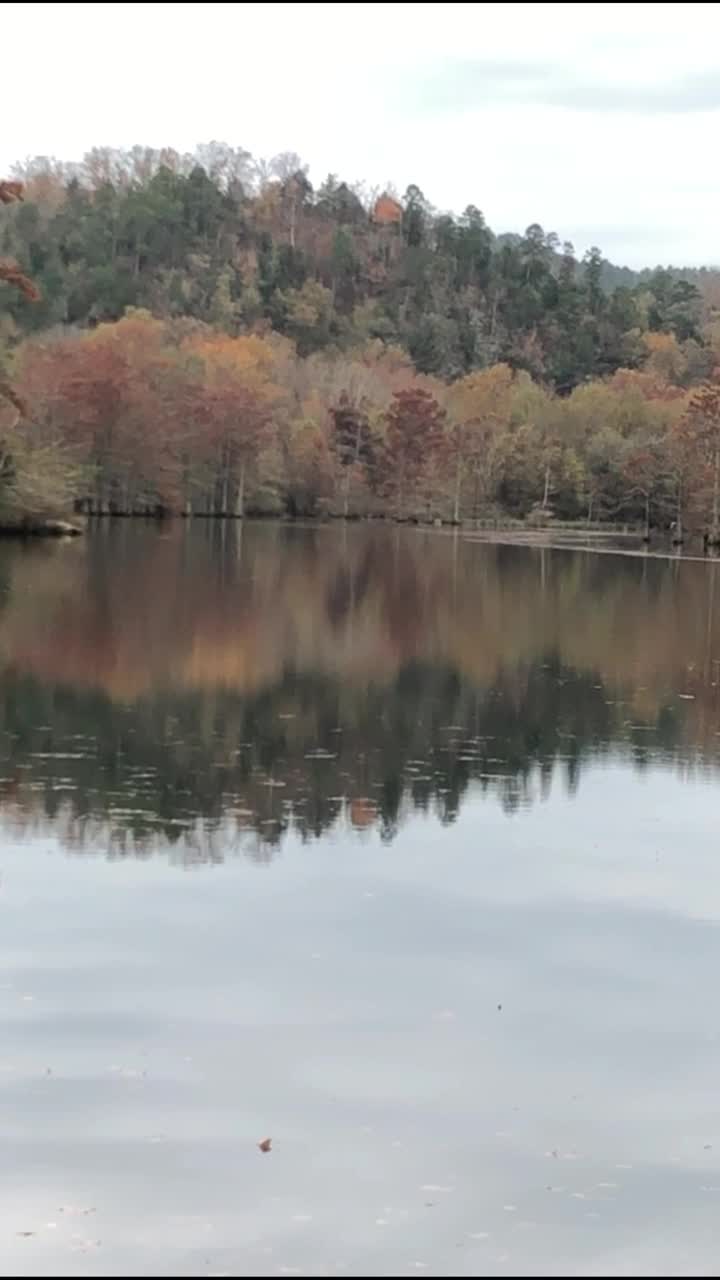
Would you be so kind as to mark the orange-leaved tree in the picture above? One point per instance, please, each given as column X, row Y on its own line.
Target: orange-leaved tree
column 701, row 426
column 234, row 398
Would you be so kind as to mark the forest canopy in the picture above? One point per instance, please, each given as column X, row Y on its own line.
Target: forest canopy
column 212, row 334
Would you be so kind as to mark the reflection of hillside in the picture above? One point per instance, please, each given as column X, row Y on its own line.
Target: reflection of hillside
column 209, row 772
column 185, row 684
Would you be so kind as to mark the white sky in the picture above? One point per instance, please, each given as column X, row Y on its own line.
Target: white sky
column 600, row 121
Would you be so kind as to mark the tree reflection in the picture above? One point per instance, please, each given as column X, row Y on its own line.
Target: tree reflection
column 180, row 689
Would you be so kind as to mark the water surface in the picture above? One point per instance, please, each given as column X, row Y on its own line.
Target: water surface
column 398, row 848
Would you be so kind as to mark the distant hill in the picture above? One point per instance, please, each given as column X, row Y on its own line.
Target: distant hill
column 250, row 247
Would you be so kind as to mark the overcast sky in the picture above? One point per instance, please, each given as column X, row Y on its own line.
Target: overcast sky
column 600, row 121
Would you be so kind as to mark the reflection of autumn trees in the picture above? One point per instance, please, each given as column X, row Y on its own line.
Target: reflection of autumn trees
column 208, row 689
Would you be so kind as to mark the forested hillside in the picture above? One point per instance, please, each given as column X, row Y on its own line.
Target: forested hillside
column 220, row 239
column 213, row 335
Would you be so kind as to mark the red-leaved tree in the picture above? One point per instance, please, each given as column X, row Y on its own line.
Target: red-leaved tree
column 414, row 443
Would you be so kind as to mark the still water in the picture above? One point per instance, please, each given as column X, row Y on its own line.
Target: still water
column 396, row 848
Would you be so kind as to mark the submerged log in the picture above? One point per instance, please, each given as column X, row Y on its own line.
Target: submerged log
column 60, row 529
column 48, row 528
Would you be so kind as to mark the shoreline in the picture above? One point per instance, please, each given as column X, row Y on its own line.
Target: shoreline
column 557, row 537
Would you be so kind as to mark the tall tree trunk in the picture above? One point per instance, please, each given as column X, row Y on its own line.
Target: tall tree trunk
column 647, row 517
column 546, row 490
column 187, row 491
column 429, row 494
column 678, row 535
column 225, row 481
column 715, row 529
column 348, row 471
column 293, row 208
column 493, row 315
column 458, row 486
column 240, row 494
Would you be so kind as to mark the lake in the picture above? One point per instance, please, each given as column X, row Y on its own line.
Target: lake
column 392, row 846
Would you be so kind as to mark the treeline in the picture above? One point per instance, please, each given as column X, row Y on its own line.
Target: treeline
column 158, row 416
column 209, row 336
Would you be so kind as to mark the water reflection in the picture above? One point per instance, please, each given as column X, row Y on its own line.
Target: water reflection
column 208, row 688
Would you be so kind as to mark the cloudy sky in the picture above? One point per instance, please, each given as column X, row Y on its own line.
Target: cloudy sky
column 600, row 121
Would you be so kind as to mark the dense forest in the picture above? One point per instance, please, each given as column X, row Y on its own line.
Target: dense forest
column 206, row 334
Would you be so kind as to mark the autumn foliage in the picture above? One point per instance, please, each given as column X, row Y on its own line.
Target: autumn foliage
column 176, row 417
column 11, row 274
column 216, row 338
column 10, row 192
